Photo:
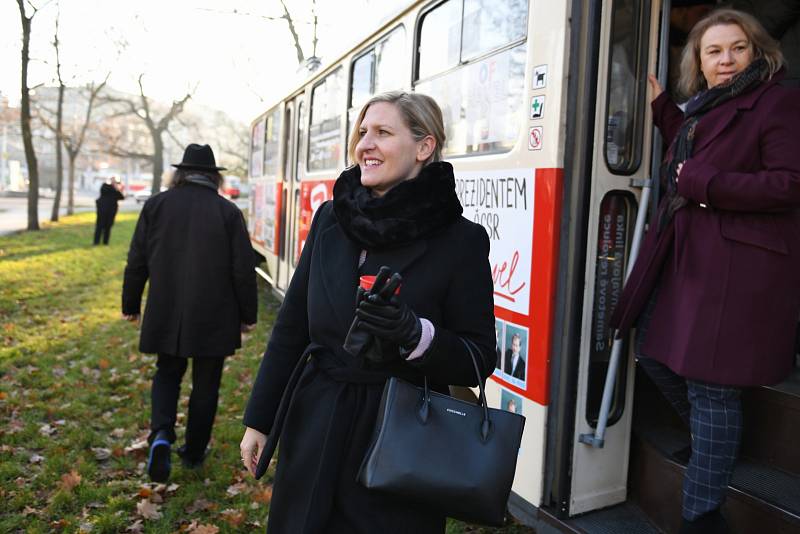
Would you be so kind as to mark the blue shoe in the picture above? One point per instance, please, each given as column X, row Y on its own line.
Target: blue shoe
column 158, row 464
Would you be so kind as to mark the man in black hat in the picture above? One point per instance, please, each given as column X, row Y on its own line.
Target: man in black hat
column 192, row 244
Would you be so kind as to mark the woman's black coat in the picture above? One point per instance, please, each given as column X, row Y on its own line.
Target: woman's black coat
column 447, row 280
column 193, row 246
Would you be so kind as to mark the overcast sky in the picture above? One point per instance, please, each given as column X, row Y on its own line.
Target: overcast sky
column 240, row 63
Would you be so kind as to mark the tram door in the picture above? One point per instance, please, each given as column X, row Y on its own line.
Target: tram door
column 290, row 191
column 621, row 164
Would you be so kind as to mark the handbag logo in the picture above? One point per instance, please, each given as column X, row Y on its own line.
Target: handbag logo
column 456, row 412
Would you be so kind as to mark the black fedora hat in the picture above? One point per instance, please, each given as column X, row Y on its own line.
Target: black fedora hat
column 198, row 157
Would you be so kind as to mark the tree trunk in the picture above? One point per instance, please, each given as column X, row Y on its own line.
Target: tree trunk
column 59, row 157
column 25, row 119
column 71, row 184
column 158, row 163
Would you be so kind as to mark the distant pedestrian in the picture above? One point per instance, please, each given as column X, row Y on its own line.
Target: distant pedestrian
column 106, row 203
column 192, row 244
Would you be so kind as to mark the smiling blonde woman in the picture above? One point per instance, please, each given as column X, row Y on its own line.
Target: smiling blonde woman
column 394, row 211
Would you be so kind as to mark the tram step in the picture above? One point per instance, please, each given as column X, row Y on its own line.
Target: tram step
column 626, row 517
column 760, row 498
column 772, row 425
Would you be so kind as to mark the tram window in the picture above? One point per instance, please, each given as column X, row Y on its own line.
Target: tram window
column 613, row 243
column 257, row 150
column 491, row 24
column 362, row 79
column 324, row 135
column 272, row 144
column 376, row 72
column 626, row 86
column 389, row 53
column 440, row 39
column 481, row 102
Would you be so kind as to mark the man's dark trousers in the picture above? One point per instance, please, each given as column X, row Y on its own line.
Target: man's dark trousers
column 206, row 376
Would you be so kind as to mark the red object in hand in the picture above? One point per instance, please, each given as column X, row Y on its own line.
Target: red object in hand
column 368, row 280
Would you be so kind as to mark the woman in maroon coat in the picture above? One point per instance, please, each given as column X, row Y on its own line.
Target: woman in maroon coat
column 716, row 288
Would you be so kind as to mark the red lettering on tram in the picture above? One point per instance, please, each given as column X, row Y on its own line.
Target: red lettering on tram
column 504, row 279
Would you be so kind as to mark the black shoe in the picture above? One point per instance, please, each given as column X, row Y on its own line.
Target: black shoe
column 158, row 463
column 709, row 523
column 191, row 461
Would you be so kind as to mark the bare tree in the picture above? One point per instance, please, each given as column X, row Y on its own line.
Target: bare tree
column 25, row 121
column 74, row 140
column 301, row 57
column 298, row 49
column 58, row 128
column 157, row 127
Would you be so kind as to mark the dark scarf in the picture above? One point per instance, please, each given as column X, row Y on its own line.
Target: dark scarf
column 699, row 105
column 411, row 210
column 201, row 179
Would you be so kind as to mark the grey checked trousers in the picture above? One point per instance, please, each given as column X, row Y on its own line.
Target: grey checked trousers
column 714, row 415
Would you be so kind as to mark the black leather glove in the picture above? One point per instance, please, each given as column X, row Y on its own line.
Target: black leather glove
column 389, row 319
column 360, row 342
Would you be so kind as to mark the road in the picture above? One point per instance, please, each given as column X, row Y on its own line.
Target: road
column 14, row 209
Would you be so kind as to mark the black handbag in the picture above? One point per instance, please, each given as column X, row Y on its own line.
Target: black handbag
column 447, row 454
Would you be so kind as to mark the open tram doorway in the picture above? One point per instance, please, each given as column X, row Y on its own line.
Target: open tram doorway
column 634, row 482
column 764, row 494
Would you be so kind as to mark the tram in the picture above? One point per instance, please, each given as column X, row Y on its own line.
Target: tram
column 550, row 135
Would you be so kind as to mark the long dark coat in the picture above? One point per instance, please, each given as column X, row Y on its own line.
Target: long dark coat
column 193, row 246
column 728, row 267
column 107, row 204
column 447, row 280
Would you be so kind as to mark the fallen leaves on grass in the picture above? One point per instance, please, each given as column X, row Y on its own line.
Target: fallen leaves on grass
column 195, row 528
column 199, row 505
column 235, row 489
column 148, row 510
column 233, row 517
column 101, row 453
column 70, row 480
column 263, row 496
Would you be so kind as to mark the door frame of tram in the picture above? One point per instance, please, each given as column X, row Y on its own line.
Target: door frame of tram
column 581, row 478
column 290, row 189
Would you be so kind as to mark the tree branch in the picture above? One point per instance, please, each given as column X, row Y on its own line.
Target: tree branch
column 298, row 49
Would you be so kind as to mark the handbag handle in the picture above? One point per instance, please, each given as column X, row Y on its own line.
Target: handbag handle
column 486, row 423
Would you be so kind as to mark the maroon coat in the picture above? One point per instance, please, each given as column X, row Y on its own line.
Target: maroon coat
column 728, row 265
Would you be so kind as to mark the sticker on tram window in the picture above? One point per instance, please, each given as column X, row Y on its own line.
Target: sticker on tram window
column 537, row 107
column 539, row 76
column 535, row 138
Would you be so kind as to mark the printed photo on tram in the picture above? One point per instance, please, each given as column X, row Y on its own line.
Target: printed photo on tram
column 510, row 402
column 499, row 331
column 515, row 355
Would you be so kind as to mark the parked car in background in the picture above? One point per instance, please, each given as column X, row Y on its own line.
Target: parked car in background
column 232, row 187
column 143, row 194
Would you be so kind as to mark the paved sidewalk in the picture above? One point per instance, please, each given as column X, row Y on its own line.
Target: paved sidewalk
column 14, row 209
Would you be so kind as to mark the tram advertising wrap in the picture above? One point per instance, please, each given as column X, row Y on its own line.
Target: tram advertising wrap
column 522, row 259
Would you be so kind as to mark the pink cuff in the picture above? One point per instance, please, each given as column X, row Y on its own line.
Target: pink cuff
column 424, row 341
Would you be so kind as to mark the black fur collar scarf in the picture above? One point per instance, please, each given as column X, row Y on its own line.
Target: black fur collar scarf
column 411, row 210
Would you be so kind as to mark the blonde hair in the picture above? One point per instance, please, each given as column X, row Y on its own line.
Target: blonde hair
column 420, row 113
column 691, row 77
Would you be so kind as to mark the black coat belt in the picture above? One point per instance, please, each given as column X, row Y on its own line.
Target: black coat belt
column 325, row 361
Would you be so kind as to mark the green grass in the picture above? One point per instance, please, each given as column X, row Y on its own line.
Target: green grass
column 74, row 401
